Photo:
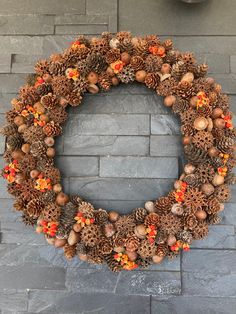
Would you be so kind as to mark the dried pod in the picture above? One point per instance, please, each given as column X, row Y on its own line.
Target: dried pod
column 200, row 123
column 177, row 209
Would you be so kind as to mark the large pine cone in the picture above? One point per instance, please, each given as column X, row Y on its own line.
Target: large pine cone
column 140, row 214
column 52, row 129
column 33, row 133
column 34, row 208
column 146, row 249
column 152, row 80
column 69, row 251
column 105, row 246
column 101, row 216
column 132, row 243
column 152, row 219
column 153, row 63
column 14, row 141
column 195, row 155
column 91, row 235
column 225, row 144
column 137, row 63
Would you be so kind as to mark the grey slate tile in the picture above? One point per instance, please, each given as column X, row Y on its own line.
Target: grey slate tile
column 165, row 124
column 7, row 211
column 5, row 62
column 192, row 304
column 138, row 167
column 5, row 100
column 165, row 145
column 209, row 273
column 218, row 63
column 10, row 83
column 13, row 301
column 85, row 29
column 100, row 303
column 105, row 6
column 229, row 214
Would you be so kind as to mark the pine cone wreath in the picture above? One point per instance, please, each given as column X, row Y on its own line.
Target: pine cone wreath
column 195, row 155
column 126, row 75
column 140, row 214
column 91, row 235
column 69, row 251
column 146, row 249
column 51, row 212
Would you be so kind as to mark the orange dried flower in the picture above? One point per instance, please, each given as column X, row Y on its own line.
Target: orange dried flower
column 49, row 227
column 10, row 171
column 202, row 99
column 80, row 219
column 117, row 66
column 43, row 184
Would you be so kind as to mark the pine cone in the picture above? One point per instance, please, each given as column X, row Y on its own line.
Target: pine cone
column 123, row 35
column 27, row 220
column 101, row 216
column 187, row 117
column 141, row 48
column 28, row 192
column 96, row 62
column 112, row 264
column 162, row 250
column 105, row 246
column 99, row 45
column 140, row 214
column 217, row 162
column 91, row 235
column 87, row 209
column 223, row 102
column 225, row 144
column 178, row 69
column 57, row 64
column 205, row 173
column 69, row 251
column 20, row 204
column 58, row 115
column 200, row 70
column 164, row 203
column 44, row 162
column 126, row 75
column 203, row 140
column 153, row 63
column 42, row 67
column 51, row 212
column 166, row 87
column 190, row 221
column 33, row 133
column 152, row 40
column 152, row 80
column 94, row 256
column 104, row 81
column 161, row 237
column 137, row 63
column 74, row 99
column 81, row 248
column 68, row 214
column 83, row 68
column 184, row 236
column 152, row 219
column 146, row 249
column 61, row 86
column 170, row 223
column 126, row 46
column 200, row 231
column 172, row 57
column 80, row 86
column 48, row 196
column 10, row 115
column 132, row 243
column 34, row 208
column 192, row 180
column 9, row 129
column 52, row 173
column 180, row 106
column 214, row 219
column 49, row 101
column 222, row 193
column 194, row 199
column 52, row 129
column 38, row 149
column 168, row 44
column 14, row 141
column 112, row 55
column 27, row 163
column 195, row 155
column 44, row 89
column 125, row 223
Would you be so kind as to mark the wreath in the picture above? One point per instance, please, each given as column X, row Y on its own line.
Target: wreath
column 163, row 227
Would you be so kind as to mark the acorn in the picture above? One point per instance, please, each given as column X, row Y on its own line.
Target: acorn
column 216, row 113
column 207, row 189
column 44, row 117
column 150, row 207
column 201, row 214
column 210, row 124
column 171, row 240
column 132, row 255
column 34, row 173
column 125, row 57
column 189, row 169
column 92, row 78
column 73, row 238
column 39, row 107
column 93, row 89
column 193, row 101
column 169, row 100
column 62, row 199
column 49, row 141
column 82, row 257
column 218, row 180
column 187, row 77
column 114, row 43
column 157, row 259
column 210, row 80
column 140, row 231
column 109, row 230
column 19, row 120
column 140, row 76
column 57, row 188
column 113, row 216
column 110, row 71
column 186, row 140
column 213, row 151
column 77, row 227
column 59, row 242
column 165, row 68
column 200, row 123
column 218, row 87
column 115, row 81
column 51, row 152
column 17, row 154
column 177, row 209
column 219, row 123
column 25, row 148
column 22, row 128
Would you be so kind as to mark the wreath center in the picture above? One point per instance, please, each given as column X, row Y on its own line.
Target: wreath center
column 162, row 227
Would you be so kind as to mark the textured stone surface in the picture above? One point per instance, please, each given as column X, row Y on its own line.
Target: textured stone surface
column 5, row 63
column 165, row 124
column 13, row 301
column 166, row 145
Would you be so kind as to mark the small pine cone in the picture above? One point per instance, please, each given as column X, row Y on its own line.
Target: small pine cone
column 58, row 115
column 38, row 149
column 42, row 67
column 87, row 209
column 152, row 219
column 112, row 264
column 162, row 250
column 190, row 221
column 61, row 86
column 152, row 80
column 52, row 173
column 20, row 204
column 34, row 208
column 68, row 214
column 44, row 162
column 164, row 203
column 48, row 197
column 10, row 115
column 161, row 237
column 205, row 173
column 122, row 35
column 200, row 231
column 195, row 155
column 146, row 249
column 185, row 90
column 194, row 199
column 126, row 75
column 172, row 56
column 69, row 251
column 222, row 193
column 223, row 102
column 91, row 235
column 217, row 162
column 225, row 144
column 203, row 140
column 126, row 46
column 104, row 81
column 140, row 214
column 166, row 87
column 192, row 180
column 205, row 111
column 132, row 243
column 9, row 129
column 52, row 129
column 76, row 200
column 44, row 89
column 81, row 248
column 49, row 101
column 200, row 70
column 187, row 129
column 28, row 221
column 51, row 212
column 101, row 216
column 153, row 63
column 178, row 69
column 152, row 40
column 141, row 48
column 57, row 64
column 214, row 219
column 168, row 44
column 74, row 99
column 185, row 236
column 112, row 55
column 137, row 63
column 94, row 256
column 96, row 62
column 118, row 239
column 32, row 134
column 180, row 106
column 170, row 223
column 14, row 141
column 125, row 223
column 105, row 246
